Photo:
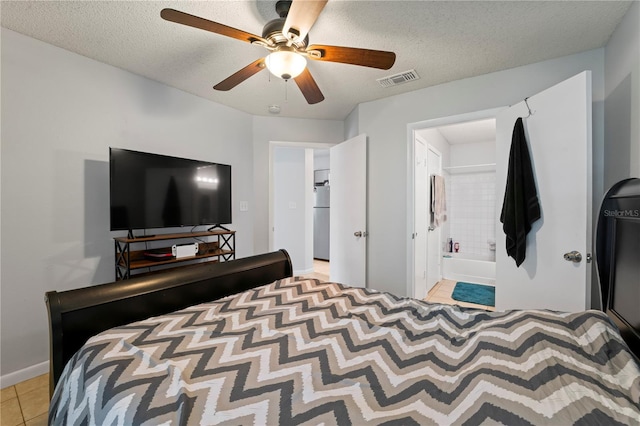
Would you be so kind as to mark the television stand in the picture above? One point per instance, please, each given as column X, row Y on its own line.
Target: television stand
column 219, row 247
column 133, row 237
column 214, row 227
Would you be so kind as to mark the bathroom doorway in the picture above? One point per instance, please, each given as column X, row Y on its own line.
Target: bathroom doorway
column 465, row 159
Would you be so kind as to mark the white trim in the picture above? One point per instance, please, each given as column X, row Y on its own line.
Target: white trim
column 303, row 272
column 410, row 257
column 24, row 374
column 454, row 119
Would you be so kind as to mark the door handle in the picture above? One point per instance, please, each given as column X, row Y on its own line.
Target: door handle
column 573, row 256
column 360, row 234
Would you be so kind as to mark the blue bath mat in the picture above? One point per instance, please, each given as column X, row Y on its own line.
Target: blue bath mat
column 475, row 293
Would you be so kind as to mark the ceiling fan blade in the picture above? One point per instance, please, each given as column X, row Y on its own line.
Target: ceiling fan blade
column 301, row 17
column 352, row 55
column 204, row 24
column 309, row 88
column 240, row 76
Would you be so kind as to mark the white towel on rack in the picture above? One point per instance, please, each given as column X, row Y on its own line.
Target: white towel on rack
column 438, row 202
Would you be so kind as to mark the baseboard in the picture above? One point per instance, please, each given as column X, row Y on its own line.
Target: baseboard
column 24, row 374
column 303, row 272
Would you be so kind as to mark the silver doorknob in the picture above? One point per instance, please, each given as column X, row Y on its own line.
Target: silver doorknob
column 573, row 256
column 357, row 234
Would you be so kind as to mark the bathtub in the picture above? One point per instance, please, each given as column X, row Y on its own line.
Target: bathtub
column 464, row 267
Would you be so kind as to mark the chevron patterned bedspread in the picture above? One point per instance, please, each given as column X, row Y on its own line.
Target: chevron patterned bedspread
column 309, row 352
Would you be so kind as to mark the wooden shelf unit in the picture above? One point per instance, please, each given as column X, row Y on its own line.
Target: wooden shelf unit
column 220, row 248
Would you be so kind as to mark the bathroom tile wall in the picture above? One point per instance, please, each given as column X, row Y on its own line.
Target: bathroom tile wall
column 471, row 211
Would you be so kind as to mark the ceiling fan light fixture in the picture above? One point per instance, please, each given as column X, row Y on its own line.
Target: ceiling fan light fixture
column 286, row 64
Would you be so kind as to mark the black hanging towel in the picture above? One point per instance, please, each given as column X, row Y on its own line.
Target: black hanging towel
column 520, row 208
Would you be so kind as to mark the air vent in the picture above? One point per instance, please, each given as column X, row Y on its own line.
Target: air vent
column 399, row 78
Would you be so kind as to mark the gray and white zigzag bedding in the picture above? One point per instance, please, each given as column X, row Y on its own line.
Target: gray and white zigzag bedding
column 308, row 352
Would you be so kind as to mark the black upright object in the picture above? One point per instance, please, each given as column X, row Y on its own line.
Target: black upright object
column 612, row 202
column 77, row 315
column 618, row 258
column 520, row 208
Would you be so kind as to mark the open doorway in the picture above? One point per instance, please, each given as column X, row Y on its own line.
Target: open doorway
column 558, row 123
column 348, row 230
column 463, row 157
column 292, row 202
column 321, row 212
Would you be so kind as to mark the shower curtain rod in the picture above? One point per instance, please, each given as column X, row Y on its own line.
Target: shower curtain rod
column 470, row 166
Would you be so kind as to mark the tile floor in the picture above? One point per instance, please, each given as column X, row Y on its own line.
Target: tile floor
column 26, row 403
column 320, row 270
column 441, row 293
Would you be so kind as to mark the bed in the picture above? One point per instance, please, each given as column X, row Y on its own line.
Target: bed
column 251, row 344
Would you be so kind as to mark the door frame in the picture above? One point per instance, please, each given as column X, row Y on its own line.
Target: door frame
column 437, row 152
column 415, row 236
column 412, row 129
column 272, row 146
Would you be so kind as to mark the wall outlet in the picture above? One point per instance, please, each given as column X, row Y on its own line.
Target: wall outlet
column 293, row 205
column 244, row 206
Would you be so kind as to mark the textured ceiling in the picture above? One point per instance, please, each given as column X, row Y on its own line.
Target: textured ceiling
column 443, row 41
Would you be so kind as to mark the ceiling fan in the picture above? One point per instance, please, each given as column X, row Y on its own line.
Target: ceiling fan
column 288, row 42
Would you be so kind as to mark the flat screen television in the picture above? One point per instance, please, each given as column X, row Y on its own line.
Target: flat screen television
column 157, row 191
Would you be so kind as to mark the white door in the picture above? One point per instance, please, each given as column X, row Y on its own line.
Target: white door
column 434, row 238
column 559, row 138
column 348, row 212
column 420, row 219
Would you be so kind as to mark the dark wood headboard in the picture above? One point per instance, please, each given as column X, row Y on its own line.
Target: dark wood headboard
column 77, row 315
